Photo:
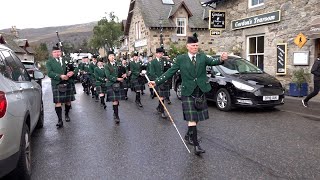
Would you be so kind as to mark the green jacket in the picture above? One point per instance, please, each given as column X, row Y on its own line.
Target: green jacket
column 100, row 76
column 55, row 70
column 191, row 76
column 84, row 67
column 156, row 68
column 91, row 69
column 135, row 69
column 111, row 73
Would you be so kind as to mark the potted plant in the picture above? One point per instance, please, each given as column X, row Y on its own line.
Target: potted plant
column 299, row 85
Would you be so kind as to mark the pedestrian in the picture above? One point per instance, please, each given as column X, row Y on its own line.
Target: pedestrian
column 61, row 84
column 315, row 70
column 192, row 68
column 124, row 69
column 84, row 67
column 101, row 79
column 92, row 66
column 115, row 92
column 156, row 70
column 136, row 76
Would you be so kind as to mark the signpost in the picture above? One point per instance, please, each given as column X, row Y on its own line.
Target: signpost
column 300, row 40
column 281, row 58
column 217, row 19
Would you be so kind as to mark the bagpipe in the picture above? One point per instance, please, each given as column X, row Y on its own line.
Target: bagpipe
column 69, row 67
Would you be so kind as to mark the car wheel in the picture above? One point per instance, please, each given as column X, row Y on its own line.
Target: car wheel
column 23, row 169
column 179, row 88
column 41, row 117
column 223, row 100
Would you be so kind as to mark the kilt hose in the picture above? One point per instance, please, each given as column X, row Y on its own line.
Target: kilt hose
column 136, row 85
column 190, row 113
column 63, row 97
column 115, row 95
column 101, row 89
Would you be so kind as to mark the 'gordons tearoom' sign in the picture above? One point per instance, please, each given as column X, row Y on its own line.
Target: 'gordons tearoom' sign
column 260, row 19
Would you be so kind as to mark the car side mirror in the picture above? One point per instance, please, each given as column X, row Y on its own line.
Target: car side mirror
column 37, row 75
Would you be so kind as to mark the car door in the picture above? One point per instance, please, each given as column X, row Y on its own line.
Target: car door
column 214, row 78
column 23, row 82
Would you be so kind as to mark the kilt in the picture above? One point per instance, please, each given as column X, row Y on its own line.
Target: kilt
column 74, row 88
column 190, row 113
column 115, row 96
column 59, row 97
column 101, row 89
column 136, row 85
column 164, row 91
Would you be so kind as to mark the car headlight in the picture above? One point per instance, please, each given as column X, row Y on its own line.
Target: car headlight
column 242, row 86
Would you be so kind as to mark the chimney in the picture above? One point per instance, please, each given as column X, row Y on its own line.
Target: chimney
column 14, row 31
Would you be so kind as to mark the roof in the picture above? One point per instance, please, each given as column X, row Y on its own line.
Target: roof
column 22, row 42
column 153, row 10
column 10, row 43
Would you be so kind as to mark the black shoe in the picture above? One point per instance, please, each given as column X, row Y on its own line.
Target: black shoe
column 142, row 93
column 126, row 98
column 104, row 106
column 168, row 101
column 59, row 124
column 67, row 118
column 198, row 150
column 92, row 96
column 304, row 103
column 139, row 103
column 117, row 119
column 158, row 110
column 163, row 115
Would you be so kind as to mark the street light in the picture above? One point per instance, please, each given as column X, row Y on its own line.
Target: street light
column 161, row 35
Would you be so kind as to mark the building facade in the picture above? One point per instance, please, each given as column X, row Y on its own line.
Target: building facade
column 279, row 36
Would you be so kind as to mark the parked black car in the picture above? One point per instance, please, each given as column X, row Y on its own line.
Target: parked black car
column 239, row 83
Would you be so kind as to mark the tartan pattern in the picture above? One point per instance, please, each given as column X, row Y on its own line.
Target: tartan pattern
column 136, row 85
column 163, row 92
column 59, row 97
column 74, row 88
column 115, row 96
column 101, row 89
column 190, row 113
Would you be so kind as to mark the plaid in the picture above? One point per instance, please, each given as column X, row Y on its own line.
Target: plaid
column 101, row 89
column 136, row 85
column 165, row 92
column 74, row 88
column 59, row 97
column 190, row 113
column 115, row 96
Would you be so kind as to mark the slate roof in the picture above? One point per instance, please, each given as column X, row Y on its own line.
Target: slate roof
column 10, row 43
column 153, row 10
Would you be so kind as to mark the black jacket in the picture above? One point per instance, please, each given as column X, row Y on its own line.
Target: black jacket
column 315, row 70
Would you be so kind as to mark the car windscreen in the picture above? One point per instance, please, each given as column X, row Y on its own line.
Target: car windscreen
column 240, row 66
column 28, row 65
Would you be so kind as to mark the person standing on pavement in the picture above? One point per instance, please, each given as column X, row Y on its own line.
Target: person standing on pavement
column 101, row 79
column 192, row 68
column 92, row 66
column 156, row 70
column 61, row 84
column 315, row 70
column 135, row 67
column 115, row 92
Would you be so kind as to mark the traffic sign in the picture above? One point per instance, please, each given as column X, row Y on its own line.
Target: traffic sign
column 300, row 40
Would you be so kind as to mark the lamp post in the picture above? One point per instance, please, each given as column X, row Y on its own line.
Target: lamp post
column 161, row 29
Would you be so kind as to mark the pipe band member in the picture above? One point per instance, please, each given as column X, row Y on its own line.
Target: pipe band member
column 115, row 92
column 135, row 77
column 101, row 79
column 192, row 68
column 61, row 84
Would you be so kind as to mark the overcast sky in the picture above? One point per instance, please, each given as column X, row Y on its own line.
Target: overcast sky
column 44, row 13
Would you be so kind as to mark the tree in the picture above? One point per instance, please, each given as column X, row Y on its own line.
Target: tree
column 106, row 33
column 41, row 52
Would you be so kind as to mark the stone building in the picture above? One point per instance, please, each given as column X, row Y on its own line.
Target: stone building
column 266, row 32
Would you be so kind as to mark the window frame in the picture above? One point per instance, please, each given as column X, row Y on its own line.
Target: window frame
column 250, row 2
column 257, row 54
column 184, row 27
column 137, row 30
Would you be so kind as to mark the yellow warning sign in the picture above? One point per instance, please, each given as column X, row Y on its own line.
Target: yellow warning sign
column 300, row 40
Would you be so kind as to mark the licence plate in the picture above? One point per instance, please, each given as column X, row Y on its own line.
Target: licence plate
column 270, row 98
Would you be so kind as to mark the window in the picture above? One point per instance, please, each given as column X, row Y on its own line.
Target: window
column 167, row 2
column 138, row 30
column 256, row 50
column 255, row 3
column 15, row 70
column 181, row 27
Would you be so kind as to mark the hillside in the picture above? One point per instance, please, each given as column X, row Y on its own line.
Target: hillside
column 74, row 34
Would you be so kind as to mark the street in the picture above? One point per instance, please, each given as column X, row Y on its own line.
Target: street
column 283, row 143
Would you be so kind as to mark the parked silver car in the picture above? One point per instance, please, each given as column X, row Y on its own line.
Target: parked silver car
column 21, row 111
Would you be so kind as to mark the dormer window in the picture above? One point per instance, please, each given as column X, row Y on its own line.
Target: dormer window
column 255, row 3
column 181, row 26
